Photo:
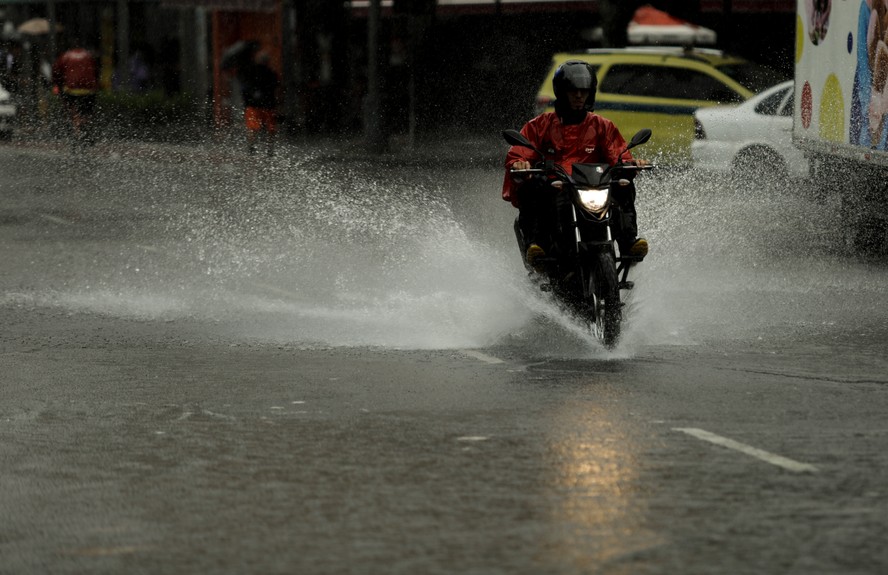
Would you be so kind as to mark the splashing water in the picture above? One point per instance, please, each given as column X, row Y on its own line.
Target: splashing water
column 316, row 252
column 343, row 255
column 733, row 261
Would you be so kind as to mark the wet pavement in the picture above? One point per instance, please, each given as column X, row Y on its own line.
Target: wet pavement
column 301, row 365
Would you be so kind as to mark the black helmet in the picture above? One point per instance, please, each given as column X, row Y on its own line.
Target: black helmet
column 575, row 75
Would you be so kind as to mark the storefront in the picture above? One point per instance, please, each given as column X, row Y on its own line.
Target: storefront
column 236, row 23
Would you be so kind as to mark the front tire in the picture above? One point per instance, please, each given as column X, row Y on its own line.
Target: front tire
column 606, row 306
column 760, row 167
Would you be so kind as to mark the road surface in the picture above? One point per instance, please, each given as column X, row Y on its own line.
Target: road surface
column 307, row 366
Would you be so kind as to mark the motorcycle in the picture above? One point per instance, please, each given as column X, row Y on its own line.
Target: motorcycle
column 583, row 267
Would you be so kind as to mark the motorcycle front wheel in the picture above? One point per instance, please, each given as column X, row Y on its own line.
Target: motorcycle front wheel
column 607, row 312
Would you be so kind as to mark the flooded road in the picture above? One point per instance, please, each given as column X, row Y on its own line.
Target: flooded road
column 338, row 367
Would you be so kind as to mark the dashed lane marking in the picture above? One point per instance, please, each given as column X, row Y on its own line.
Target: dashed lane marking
column 55, row 219
column 778, row 460
column 481, row 356
column 275, row 290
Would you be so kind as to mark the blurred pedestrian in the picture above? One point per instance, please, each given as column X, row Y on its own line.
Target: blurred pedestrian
column 10, row 66
column 259, row 90
column 75, row 77
column 139, row 72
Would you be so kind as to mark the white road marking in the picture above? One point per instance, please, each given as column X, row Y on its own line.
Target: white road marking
column 55, row 219
column 472, row 438
column 275, row 290
column 766, row 456
column 481, row 356
column 219, row 415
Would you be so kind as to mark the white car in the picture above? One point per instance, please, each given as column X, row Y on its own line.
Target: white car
column 751, row 140
column 7, row 113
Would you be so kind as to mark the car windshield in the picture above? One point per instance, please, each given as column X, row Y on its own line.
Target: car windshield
column 752, row 76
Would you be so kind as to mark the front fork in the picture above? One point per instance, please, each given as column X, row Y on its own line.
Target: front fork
column 605, row 243
column 623, row 262
column 623, row 265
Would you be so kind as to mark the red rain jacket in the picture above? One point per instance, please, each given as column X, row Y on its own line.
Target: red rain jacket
column 76, row 72
column 595, row 140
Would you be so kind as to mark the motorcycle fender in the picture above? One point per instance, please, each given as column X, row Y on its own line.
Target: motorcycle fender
column 595, row 219
column 592, row 248
column 588, row 253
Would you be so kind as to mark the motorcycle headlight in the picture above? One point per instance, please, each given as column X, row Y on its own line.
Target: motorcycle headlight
column 593, row 200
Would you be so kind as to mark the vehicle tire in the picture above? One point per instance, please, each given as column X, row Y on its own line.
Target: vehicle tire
column 607, row 308
column 864, row 231
column 865, row 213
column 759, row 167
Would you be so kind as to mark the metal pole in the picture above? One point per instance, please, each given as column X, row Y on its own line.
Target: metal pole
column 373, row 107
column 200, row 62
column 726, row 38
column 289, row 65
column 123, row 46
column 51, row 16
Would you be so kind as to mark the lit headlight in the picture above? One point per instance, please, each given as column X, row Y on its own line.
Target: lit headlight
column 593, row 200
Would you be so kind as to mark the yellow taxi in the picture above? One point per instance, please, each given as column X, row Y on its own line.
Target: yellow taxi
column 660, row 88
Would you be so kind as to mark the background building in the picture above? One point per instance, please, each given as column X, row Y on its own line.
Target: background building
column 458, row 65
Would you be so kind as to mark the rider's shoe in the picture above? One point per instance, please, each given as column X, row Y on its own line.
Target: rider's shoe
column 639, row 249
column 534, row 252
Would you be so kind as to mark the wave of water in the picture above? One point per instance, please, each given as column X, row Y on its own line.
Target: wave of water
column 358, row 254
column 342, row 255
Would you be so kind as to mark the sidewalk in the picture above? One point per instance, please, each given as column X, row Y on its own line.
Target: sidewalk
column 471, row 150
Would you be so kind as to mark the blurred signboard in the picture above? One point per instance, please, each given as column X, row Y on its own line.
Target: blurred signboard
column 491, row 5
column 487, row 6
column 747, row 6
column 224, row 5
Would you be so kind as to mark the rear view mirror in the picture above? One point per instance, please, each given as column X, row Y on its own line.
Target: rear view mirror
column 640, row 137
column 515, row 138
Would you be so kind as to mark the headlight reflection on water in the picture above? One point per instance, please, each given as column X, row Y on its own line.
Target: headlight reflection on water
column 598, row 510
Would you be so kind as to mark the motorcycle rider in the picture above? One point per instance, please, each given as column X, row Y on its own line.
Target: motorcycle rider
column 569, row 135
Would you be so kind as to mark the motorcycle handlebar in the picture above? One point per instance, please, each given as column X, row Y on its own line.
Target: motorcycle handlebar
column 620, row 166
column 633, row 167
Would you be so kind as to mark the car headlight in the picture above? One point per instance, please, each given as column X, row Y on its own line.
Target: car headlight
column 593, row 200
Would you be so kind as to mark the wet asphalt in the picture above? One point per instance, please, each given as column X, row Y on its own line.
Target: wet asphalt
column 209, row 367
